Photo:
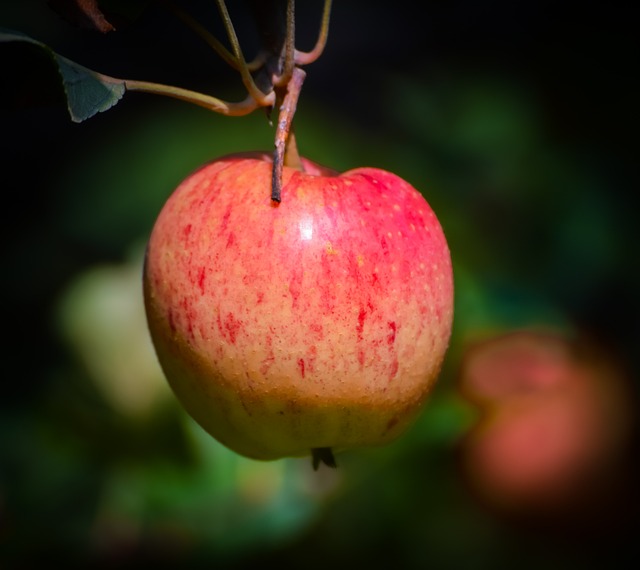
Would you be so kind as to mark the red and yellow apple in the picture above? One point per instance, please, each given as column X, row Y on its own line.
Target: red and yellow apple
column 319, row 323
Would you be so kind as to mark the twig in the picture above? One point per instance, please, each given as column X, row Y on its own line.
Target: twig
column 285, row 118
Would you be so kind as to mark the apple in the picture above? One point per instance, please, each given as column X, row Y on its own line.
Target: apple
column 553, row 418
column 316, row 324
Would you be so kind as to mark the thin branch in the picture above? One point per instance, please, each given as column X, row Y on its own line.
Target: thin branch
column 211, row 103
column 247, row 79
column 257, row 62
column 207, row 36
column 304, row 58
column 289, row 46
column 283, row 130
column 231, row 32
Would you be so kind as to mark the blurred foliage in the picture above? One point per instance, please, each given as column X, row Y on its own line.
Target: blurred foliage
column 508, row 116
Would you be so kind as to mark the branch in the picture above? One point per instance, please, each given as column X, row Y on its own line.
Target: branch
column 304, row 58
column 211, row 103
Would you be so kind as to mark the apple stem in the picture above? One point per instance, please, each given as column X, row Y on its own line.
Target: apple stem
column 323, row 455
column 291, row 155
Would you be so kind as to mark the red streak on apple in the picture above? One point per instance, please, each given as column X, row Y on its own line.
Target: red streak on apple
column 321, row 322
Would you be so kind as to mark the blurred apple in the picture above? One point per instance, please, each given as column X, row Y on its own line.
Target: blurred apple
column 553, row 417
column 102, row 317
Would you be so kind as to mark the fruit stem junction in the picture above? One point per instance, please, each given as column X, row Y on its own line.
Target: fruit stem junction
column 273, row 79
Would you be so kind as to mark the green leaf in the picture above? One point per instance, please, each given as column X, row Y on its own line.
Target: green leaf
column 87, row 91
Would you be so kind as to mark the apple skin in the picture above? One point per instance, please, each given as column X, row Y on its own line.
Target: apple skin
column 320, row 322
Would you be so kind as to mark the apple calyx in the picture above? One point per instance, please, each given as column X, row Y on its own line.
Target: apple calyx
column 323, row 455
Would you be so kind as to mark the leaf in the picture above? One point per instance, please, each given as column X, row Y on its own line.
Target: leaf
column 87, row 91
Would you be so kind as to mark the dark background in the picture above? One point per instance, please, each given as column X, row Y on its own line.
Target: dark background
column 517, row 120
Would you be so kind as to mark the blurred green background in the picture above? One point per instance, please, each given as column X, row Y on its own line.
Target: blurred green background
column 517, row 120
